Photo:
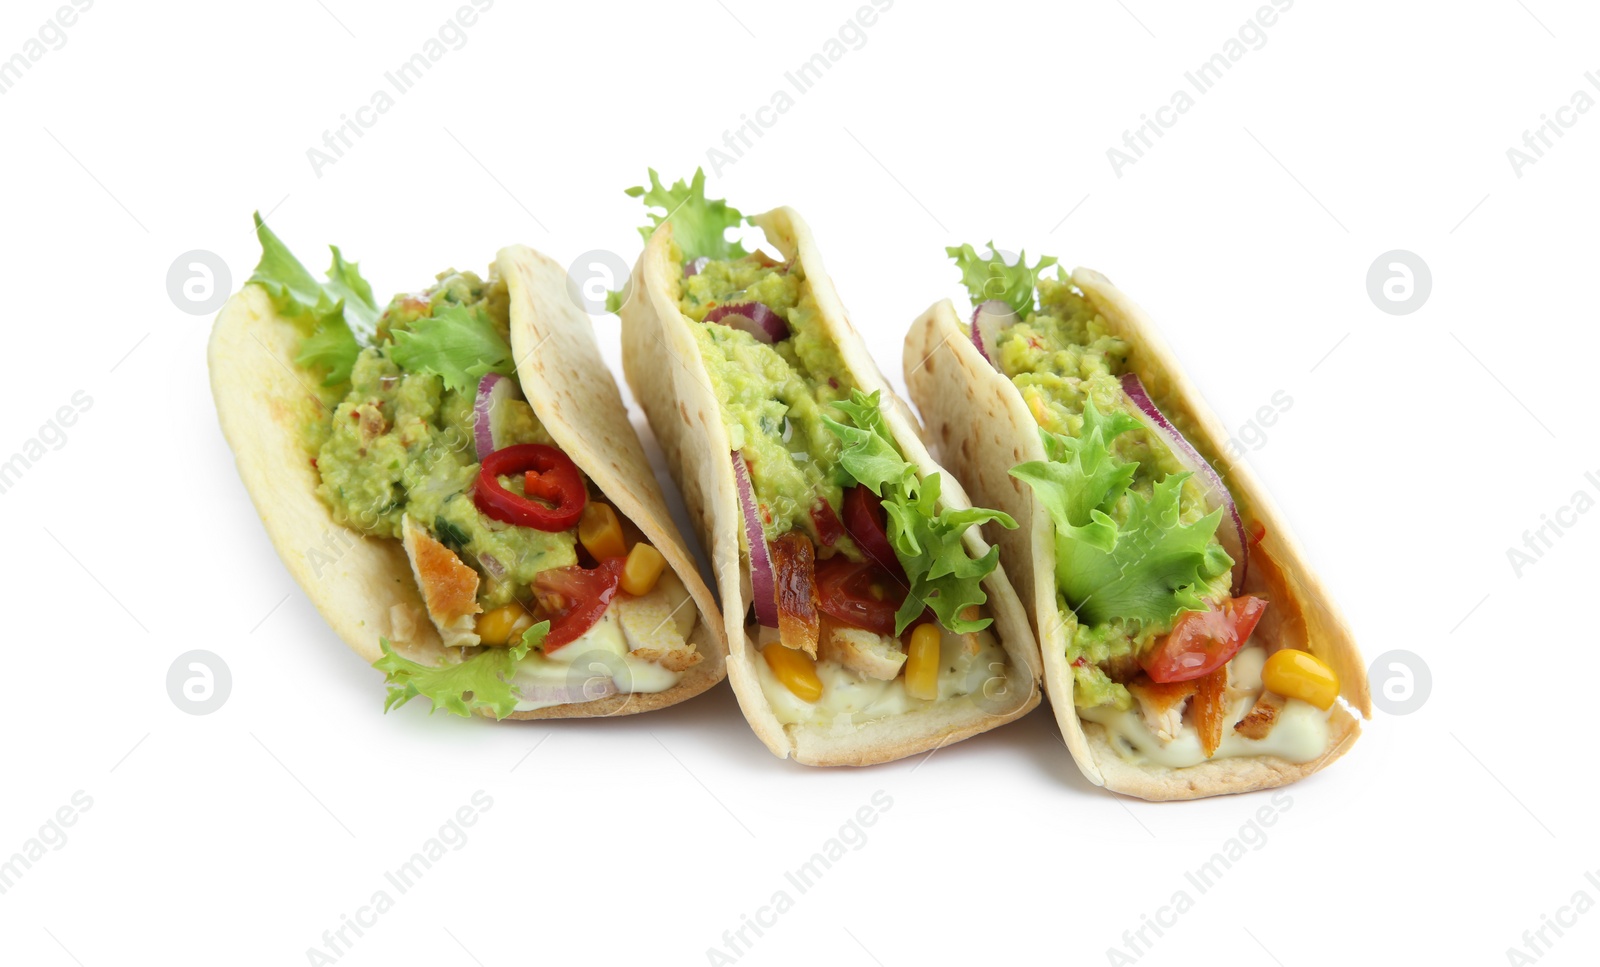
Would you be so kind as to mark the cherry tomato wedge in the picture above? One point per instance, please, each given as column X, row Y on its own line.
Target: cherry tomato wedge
column 548, row 473
column 864, row 519
column 1203, row 641
column 845, row 592
column 576, row 597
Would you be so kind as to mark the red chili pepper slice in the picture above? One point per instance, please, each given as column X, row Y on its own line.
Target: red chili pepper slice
column 549, row 474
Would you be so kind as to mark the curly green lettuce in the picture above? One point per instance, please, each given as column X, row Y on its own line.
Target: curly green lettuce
column 458, row 344
column 337, row 316
column 699, row 225
column 993, row 277
column 481, row 682
column 926, row 539
column 1147, row 568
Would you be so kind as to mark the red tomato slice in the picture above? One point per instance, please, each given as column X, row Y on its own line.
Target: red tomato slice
column 580, row 595
column 826, row 522
column 864, row 518
column 845, row 594
column 1203, row 641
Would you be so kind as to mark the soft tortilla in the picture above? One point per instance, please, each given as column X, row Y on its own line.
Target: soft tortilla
column 663, row 366
column 362, row 585
column 981, row 427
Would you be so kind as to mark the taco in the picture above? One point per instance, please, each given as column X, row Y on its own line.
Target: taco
column 1188, row 648
column 866, row 618
column 454, row 482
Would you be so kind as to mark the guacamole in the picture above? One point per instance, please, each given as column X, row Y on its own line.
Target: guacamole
column 1061, row 358
column 400, row 443
column 774, row 397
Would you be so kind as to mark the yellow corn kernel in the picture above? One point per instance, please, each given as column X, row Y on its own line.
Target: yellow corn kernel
column 499, row 626
column 795, row 670
column 1300, row 674
column 642, row 569
column 922, row 662
column 601, row 531
column 1041, row 414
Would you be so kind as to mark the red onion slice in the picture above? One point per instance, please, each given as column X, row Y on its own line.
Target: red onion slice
column 988, row 318
column 1217, row 494
column 756, row 318
column 494, row 391
column 691, row 269
column 492, row 565
column 763, row 585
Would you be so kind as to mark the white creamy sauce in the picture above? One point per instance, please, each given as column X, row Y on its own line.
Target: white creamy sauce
column 849, row 699
column 1300, row 735
column 593, row 666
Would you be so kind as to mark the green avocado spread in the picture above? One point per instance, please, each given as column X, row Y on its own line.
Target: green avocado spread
column 1063, row 357
column 400, row 443
column 774, row 396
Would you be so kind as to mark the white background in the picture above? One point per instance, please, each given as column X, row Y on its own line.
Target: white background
column 1417, row 450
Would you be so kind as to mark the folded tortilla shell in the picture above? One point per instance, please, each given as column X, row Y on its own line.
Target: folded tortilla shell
column 979, row 425
column 364, row 585
column 663, row 366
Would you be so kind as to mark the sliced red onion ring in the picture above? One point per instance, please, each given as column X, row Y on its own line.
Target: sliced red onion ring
column 492, row 565
column 1217, row 495
column 987, row 320
column 691, row 269
column 756, row 318
column 488, row 412
column 763, row 585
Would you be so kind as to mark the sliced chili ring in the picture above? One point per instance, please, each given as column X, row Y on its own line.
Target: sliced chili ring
column 550, row 475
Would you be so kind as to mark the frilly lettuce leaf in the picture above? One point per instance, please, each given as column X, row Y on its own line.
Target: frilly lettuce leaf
column 994, row 278
column 926, row 540
column 868, row 453
column 1148, row 568
column 456, row 343
column 699, row 225
column 481, row 682
column 337, row 316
